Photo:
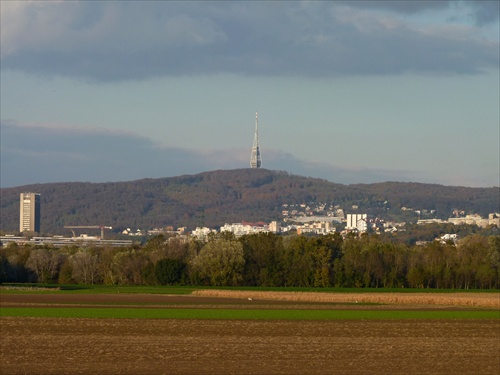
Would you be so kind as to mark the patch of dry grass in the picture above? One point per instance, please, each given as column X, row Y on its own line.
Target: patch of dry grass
column 489, row 300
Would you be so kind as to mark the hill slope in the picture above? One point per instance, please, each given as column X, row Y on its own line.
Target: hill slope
column 214, row 198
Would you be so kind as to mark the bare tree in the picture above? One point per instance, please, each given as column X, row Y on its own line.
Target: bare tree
column 45, row 263
column 85, row 267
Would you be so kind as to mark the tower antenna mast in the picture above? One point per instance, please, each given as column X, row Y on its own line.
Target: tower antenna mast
column 255, row 161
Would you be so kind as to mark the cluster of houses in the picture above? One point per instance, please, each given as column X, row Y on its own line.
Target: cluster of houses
column 310, row 224
column 321, row 219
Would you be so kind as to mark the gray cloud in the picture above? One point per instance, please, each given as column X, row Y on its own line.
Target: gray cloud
column 481, row 11
column 34, row 154
column 485, row 12
column 37, row 154
column 287, row 162
column 406, row 7
column 112, row 41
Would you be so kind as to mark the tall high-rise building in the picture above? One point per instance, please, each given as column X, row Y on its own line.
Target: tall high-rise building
column 255, row 160
column 29, row 218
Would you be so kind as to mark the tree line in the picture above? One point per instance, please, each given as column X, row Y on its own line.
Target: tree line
column 265, row 259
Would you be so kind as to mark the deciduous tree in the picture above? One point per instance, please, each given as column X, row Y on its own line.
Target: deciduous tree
column 169, row 271
column 220, row 261
column 85, row 267
column 45, row 263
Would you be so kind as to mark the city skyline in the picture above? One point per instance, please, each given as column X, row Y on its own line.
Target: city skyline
column 351, row 92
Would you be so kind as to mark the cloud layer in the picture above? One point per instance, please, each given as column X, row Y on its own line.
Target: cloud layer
column 114, row 41
column 42, row 154
column 395, row 84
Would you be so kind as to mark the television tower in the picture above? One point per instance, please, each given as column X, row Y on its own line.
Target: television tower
column 255, row 161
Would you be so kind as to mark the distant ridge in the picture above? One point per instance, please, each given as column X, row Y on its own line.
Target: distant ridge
column 224, row 196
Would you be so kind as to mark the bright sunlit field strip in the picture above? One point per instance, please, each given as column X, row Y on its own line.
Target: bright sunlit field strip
column 243, row 314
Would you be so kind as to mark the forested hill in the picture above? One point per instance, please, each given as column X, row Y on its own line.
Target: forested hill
column 225, row 196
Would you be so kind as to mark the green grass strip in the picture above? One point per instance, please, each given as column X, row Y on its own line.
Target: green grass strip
column 244, row 314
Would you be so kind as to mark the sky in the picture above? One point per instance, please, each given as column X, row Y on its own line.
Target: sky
column 347, row 91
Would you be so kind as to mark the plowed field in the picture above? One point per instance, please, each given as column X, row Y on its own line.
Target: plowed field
column 210, row 346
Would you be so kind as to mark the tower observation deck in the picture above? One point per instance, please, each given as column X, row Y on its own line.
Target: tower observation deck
column 255, row 160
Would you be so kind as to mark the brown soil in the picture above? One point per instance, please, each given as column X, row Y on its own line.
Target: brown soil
column 171, row 346
column 121, row 299
column 134, row 346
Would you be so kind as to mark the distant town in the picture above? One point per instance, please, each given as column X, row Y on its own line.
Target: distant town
column 299, row 218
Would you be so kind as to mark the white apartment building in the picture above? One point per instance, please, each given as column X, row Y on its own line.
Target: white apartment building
column 493, row 219
column 241, row 229
column 274, row 227
column 202, row 233
column 357, row 221
column 321, row 227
